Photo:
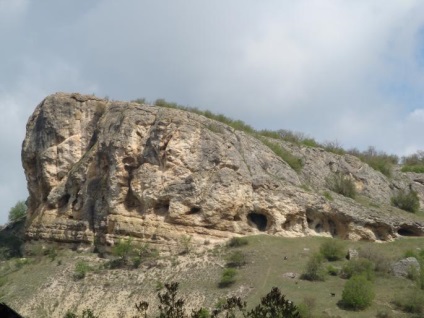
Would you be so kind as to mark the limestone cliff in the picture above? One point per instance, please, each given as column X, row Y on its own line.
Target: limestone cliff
column 99, row 170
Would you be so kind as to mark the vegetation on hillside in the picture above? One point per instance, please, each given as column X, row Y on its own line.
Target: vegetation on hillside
column 378, row 160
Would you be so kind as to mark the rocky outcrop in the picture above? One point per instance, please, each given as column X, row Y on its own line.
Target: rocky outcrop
column 99, row 170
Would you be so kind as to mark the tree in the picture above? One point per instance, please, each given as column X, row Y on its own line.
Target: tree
column 358, row 293
column 18, row 211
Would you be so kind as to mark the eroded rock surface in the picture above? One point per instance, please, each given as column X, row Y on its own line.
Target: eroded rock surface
column 99, row 170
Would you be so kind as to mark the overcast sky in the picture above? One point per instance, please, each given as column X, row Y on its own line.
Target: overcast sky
column 351, row 71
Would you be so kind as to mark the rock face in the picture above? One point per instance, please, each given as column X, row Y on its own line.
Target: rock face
column 100, row 170
column 404, row 267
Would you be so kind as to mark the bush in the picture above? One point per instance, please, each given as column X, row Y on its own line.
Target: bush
column 237, row 242
column 333, row 250
column 236, row 259
column 416, row 169
column 342, row 185
column 314, row 269
column 81, row 269
column 412, row 301
column 294, row 162
column 360, row 266
column 407, row 201
column 358, row 293
column 228, row 277
column 18, row 211
column 333, row 271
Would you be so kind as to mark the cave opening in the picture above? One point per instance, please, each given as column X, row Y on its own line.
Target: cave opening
column 259, row 220
column 404, row 231
column 194, row 210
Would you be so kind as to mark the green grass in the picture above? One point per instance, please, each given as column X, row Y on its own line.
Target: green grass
column 264, row 268
column 413, row 168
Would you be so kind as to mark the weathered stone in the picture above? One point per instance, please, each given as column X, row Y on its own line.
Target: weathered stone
column 99, row 170
column 352, row 254
column 403, row 267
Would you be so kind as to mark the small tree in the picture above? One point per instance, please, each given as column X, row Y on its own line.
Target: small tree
column 18, row 211
column 274, row 305
column 342, row 184
column 333, row 250
column 314, row 268
column 407, row 201
column 358, row 293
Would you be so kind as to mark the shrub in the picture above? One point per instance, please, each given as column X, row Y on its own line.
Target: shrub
column 123, row 249
column 416, row 169
column 18, row 211
column 185, row 244
column 360, row 266
column 275, row 305
column 228, row 277
column 333, row 250
column 81, row 269
column 333, row 271
column 412, row 301
column 236, row 259
column 407, row 201
column 314, row 268
column 294, row 162
column 328, row 196
column 358, row 293
column 342, row 185
column 237, row 242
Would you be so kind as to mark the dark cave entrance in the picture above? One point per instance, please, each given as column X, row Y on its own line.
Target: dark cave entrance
column 259, row 220
column 405, row 231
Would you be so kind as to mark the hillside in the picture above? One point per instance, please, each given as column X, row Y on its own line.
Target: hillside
column 101, row 170
column 126, row 196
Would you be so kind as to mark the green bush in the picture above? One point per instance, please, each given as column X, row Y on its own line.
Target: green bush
column 18, row 211
column 294, row 162
column 416, row 169
column 228, row 277
column 333, row 271
column 236, row 259
column 81, row 269
column 314, row 270
column 342, row 185
column 407, row 201
column 333, row 250
column 360, row 266
column 237, row 242
column 358, row 293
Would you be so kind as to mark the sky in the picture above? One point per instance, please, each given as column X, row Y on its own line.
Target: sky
column 335, row 70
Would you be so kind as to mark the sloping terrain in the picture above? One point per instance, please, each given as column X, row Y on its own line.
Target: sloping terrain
column 101, row 170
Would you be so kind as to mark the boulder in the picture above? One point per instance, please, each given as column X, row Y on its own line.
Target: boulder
column 403, row 267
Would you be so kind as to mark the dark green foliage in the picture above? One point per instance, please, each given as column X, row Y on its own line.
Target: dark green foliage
column 236, row 259
column 357, row 294
column 18, row 211
column 170, row 306
column 314, row 268
column 407, row 201
column 342, row 184
column 228, row 277
column 333, row 250
column 274, row 305
column 360, row 266
column 237, row 242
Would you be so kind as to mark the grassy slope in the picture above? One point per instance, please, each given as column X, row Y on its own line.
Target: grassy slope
column 265, row 269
